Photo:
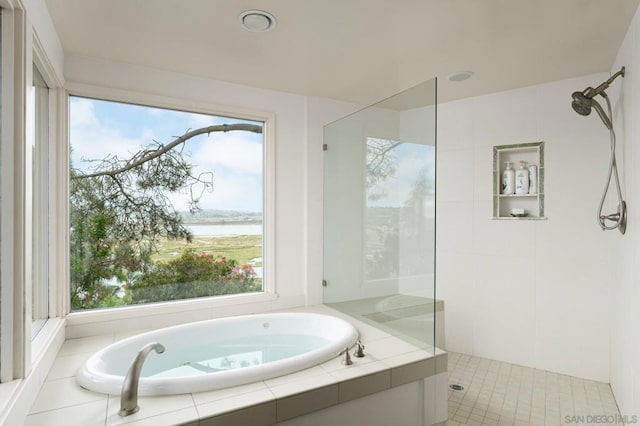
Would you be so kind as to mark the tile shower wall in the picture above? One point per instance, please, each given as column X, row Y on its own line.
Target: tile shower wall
column 625, row 347
column 533, row 293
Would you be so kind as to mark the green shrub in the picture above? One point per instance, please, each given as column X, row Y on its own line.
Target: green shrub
column 193, row 275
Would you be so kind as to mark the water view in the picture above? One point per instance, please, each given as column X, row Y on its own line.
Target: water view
column 212, row 230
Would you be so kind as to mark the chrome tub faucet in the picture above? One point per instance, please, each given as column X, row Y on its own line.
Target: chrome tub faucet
column 129, row 394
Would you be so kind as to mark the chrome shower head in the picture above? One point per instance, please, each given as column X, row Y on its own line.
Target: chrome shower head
column 581, row 103
column 584, row 101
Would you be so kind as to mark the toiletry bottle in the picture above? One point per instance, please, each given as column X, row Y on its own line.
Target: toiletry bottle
column 533, row 179
column 522, row 179
column 508, row 179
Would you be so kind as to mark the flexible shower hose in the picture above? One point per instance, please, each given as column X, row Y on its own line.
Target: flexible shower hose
column 620, row 217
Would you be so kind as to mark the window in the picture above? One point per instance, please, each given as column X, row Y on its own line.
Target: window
column 40, row 214
column 164, row 204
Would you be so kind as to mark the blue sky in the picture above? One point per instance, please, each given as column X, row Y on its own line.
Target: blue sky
column 100, row 128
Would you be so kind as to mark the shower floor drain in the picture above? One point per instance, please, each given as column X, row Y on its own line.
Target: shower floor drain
column 457, row 387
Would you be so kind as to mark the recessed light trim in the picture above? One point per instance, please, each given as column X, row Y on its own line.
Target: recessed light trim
column 257, row 21
column 459, row 76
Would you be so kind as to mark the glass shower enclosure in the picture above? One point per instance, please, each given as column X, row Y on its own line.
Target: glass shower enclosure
column 379, row 214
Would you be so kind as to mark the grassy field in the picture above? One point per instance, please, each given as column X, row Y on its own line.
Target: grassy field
column 241, row 248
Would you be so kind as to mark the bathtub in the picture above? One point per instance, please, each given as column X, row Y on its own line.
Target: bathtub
column 220, row 353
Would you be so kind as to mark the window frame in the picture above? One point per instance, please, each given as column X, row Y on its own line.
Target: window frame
column 14, row 41
column 185, row 306
column 48, row 196
column 38, row 146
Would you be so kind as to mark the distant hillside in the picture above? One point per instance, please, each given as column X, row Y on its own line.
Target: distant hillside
column 221, row 216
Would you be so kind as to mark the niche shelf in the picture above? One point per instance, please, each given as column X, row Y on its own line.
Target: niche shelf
column 533, row 204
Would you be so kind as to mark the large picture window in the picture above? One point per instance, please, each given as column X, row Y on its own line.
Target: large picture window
column 164, row 204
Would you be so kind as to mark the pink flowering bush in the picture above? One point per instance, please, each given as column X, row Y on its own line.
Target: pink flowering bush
column 194, row 275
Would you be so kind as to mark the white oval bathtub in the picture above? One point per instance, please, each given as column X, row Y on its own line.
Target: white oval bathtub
column 220, row 353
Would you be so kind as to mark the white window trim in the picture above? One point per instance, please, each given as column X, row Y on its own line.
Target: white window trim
column 14, row 40
column 52, row 196
column 181, row 306
column 6, row 188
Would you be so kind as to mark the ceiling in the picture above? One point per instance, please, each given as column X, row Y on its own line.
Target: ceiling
column 354, row 50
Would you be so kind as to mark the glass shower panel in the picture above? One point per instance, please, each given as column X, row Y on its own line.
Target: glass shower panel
column 379, row 214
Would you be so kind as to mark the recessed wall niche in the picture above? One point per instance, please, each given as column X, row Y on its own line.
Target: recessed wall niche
column 509, row 204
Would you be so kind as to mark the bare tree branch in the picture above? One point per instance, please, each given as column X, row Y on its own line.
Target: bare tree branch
column 149, row 155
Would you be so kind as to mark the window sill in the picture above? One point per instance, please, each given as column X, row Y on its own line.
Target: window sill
column 164, row 308
column 17, row 397
column 45, row 337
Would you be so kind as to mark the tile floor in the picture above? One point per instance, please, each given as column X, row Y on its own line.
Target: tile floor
column 497, row 393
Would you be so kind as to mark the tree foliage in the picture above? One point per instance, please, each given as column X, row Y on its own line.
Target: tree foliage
column 380, row 164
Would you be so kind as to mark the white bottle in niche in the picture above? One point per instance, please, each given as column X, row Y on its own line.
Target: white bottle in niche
column 533, row 179
column 508, row 179
column 522, row 179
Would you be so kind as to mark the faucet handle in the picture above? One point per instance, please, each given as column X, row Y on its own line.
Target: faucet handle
column 359, row 352
column 347, row 357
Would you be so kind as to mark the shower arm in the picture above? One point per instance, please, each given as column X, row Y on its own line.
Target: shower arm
column 590, row 92
column 616, row 75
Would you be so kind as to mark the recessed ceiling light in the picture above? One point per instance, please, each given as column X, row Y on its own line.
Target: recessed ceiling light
column 257, row 21
column 460, row 76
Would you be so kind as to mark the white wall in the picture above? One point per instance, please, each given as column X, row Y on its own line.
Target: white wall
column 534, row 293
column 625, row 330
column 45, row 33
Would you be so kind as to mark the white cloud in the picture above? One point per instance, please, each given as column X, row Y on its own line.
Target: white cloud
column 229, row 151
column 196, row 121
column 83, row 113
column 91, row 140
column 230, row 192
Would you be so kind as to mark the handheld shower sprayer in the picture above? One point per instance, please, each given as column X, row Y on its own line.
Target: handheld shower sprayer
column 582, row 103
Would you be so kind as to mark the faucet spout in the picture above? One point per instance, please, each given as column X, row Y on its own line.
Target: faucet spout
column 129, row 394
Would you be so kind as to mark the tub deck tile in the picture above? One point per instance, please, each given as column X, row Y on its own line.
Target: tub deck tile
column 294, row 377
column 408, row 373
column 364, row 385
column 63, row 393
column 303, row 385
column 258, row 415
column 216, row 395
column 151, row 407
column 85, row 344
column 358, row 369
column 90, row 414
column 185, row 416
column 307, row 402
column 235, row 403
